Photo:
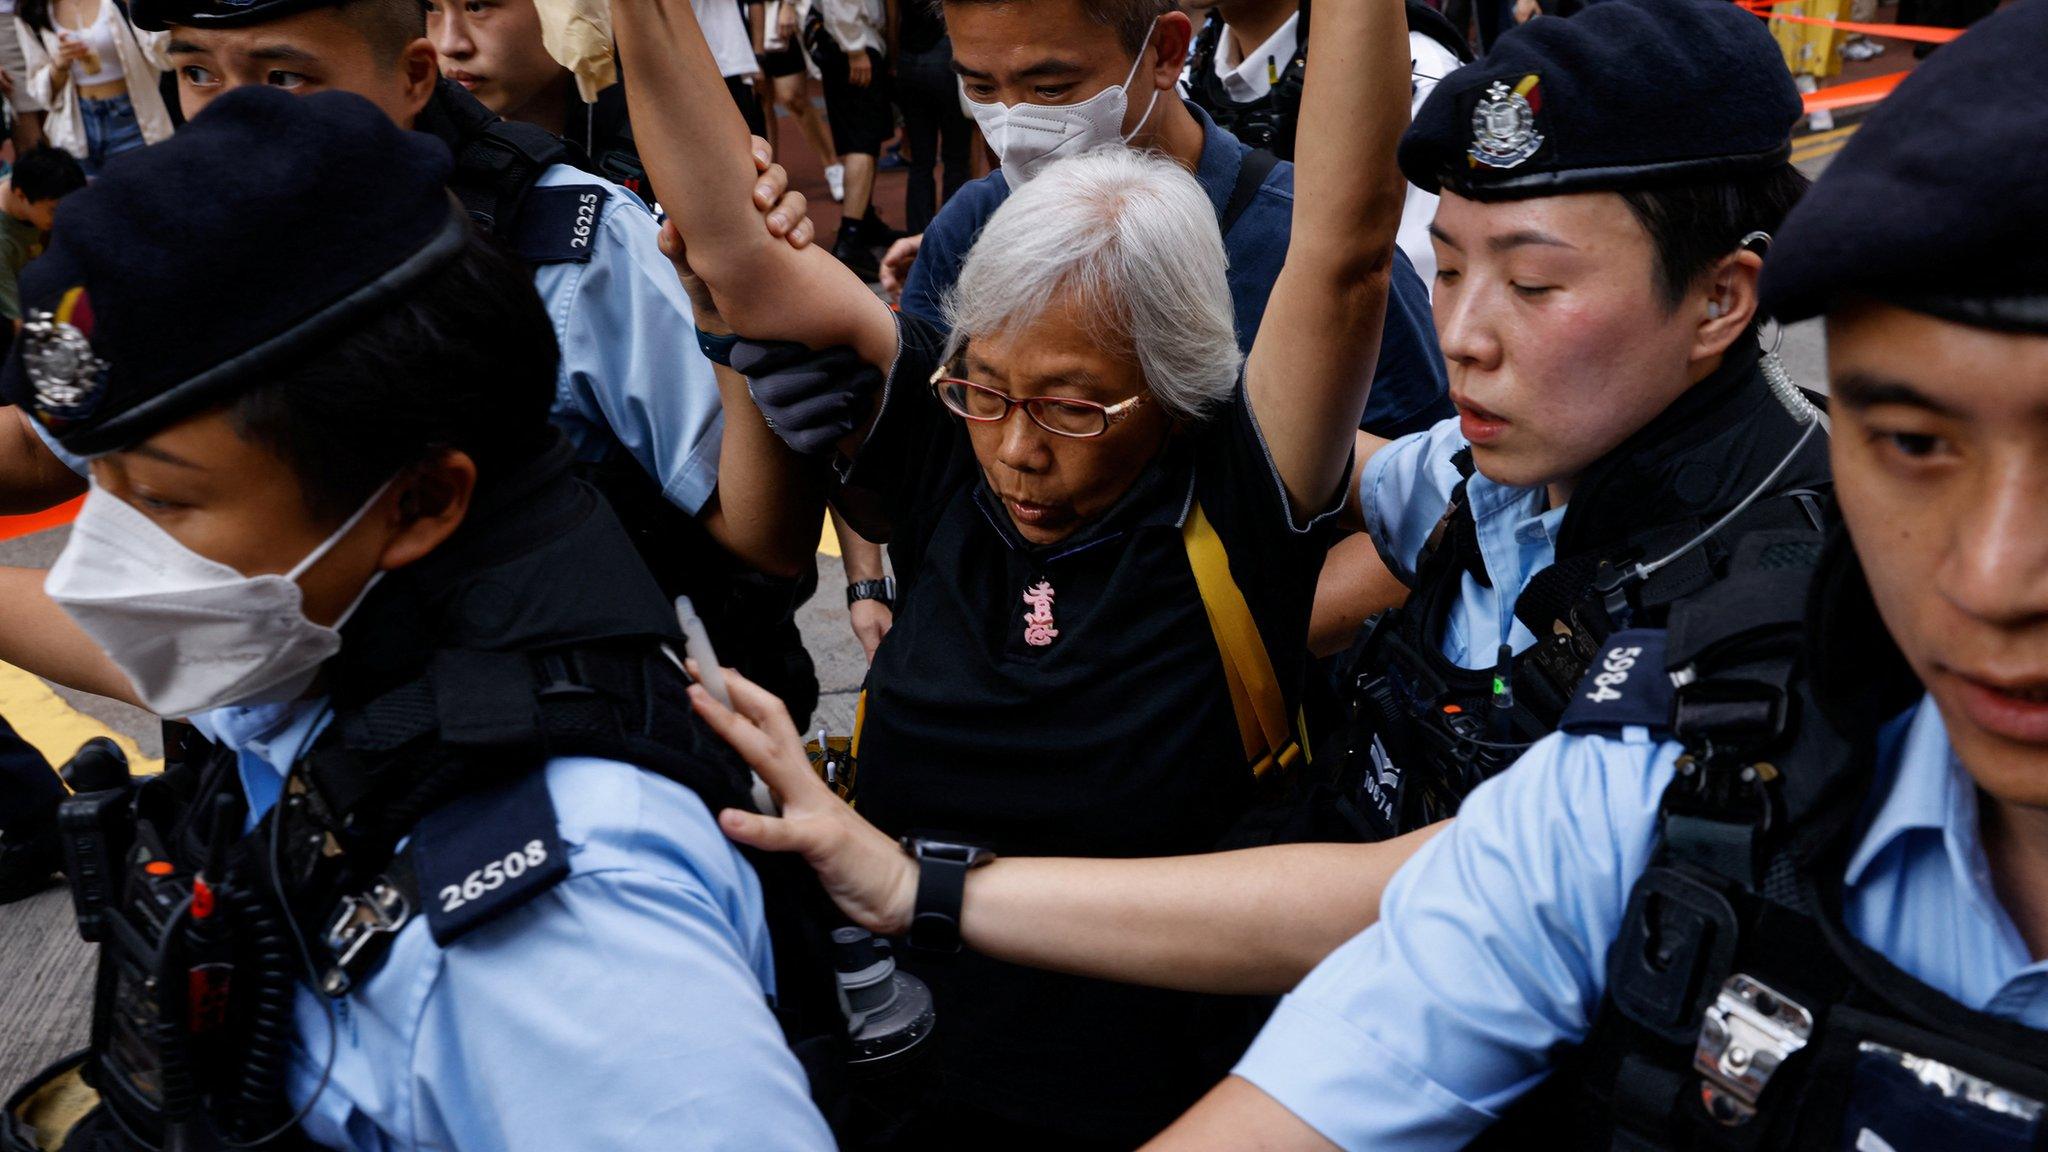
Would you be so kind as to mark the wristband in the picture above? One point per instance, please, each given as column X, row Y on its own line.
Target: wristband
column 717, row 349
column 942, row 867
column 883, row 590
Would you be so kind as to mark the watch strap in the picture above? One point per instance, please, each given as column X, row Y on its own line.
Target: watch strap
column 883, row 590
column 941, row 890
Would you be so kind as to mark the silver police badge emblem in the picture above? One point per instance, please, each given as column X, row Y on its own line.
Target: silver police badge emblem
column 1504, row 125
column 62, row 367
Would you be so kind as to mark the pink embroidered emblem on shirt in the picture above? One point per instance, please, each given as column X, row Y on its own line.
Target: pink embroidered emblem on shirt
column 1038, row 629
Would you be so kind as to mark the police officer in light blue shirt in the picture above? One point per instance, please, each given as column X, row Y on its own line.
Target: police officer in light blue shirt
column 440, row 870
column 1778, row 885
column 656, row 934
column 631, row 377
column 1609, row 185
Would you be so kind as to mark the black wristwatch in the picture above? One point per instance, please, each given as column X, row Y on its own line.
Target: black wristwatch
column 883, row 590
column 942, row 867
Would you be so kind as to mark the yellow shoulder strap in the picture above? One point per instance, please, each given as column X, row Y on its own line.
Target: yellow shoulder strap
column 1255, row 694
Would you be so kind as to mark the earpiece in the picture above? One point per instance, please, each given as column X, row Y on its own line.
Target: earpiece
column 1714, row 310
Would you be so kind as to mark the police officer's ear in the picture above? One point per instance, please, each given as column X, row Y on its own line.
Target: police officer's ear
column 429, row 502
column 1165, row 54
column 1724, row 303
column 419, row 71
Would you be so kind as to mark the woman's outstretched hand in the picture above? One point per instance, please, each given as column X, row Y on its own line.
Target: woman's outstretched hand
column 864, row 871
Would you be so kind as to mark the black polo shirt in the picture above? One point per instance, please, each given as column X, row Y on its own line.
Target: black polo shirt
column 1116, row 739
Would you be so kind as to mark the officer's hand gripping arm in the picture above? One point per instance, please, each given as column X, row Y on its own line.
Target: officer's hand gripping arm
column 1253, row 921
column 695, row 144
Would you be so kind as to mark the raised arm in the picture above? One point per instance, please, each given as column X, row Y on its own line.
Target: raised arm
column 32, row 478
column 1253, row 921
column 37, row 636
column 695, row 147
column 1312, row 364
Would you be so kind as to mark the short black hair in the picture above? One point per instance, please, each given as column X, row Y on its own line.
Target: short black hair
column 1131, row 20
column 1694, row 225
column 46, row 173
column 389, row 25
column 467, row 362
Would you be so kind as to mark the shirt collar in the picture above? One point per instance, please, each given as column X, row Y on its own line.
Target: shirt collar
column 1253, row 81
column 1488, row 498
column 1925, row 788
column 267, row 739
column 1222, row 156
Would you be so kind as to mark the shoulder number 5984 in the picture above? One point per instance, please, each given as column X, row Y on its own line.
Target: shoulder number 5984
column 1613, row 674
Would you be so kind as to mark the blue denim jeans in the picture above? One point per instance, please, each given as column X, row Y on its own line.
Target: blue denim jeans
column 110, row 128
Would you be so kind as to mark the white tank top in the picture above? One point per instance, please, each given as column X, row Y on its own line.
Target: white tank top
column 104, row 65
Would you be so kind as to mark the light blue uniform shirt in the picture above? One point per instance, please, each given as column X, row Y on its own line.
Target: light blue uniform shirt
column 1404, row 489
column 631, row 373
column 625, row 1008
column 631, row 370
column 1491, row 948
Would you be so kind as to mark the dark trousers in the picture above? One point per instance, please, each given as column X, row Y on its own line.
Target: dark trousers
column 750, row 104
column 29, row 789
column 934, row 128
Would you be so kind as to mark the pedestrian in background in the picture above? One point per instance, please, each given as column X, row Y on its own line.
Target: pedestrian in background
column 97, row 73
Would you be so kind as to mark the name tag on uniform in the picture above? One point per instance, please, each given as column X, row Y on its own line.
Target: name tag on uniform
column 487, row 853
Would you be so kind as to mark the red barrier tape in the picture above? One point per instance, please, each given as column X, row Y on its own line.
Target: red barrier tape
column 1854, row 93
column 13, row 526
column 1894, row 31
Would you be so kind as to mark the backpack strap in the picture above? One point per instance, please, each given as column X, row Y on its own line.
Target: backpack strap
column 497, row 164
column 1251, row 176
column 1270, row 741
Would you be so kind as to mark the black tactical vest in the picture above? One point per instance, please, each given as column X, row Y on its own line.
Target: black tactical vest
column 1269, row 122
column 533, row 633
column 1740, row 1012
column 1421, row 732
column 751, row 617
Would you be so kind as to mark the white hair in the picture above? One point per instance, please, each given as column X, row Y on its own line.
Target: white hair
column 1125, row 236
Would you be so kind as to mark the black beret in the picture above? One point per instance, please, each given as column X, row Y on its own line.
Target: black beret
column 156, row 15
column 195, row 267
column 1626, row 94
column 1939, row 203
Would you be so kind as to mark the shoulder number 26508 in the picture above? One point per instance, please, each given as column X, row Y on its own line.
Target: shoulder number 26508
column 493, row 875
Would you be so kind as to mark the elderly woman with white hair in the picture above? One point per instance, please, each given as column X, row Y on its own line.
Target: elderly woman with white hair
column 1106, row 526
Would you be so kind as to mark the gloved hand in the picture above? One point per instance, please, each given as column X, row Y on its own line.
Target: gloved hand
column 811, row 399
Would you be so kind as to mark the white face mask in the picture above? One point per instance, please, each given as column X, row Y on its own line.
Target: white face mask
column 1027, row 137
column 192, row 634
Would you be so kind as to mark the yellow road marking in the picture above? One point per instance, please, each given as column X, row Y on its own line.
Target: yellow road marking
column 828, row 541
column 1828, row 149
column 55, row 728
column 1822, row 144
column 1822, row 137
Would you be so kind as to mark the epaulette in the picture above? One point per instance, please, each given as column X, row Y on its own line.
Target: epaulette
column 559, row 225
column 1626, row 685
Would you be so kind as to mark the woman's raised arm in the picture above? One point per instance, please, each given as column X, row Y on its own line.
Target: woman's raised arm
column 1312, row 364
column 695, row 147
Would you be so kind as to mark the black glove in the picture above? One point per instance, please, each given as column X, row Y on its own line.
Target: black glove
column 812, row 400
